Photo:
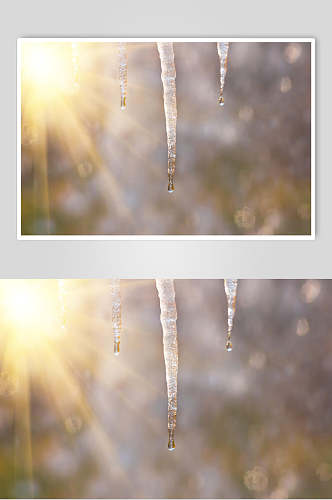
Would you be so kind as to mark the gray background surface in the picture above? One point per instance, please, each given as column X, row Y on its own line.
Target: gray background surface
column 196, row 259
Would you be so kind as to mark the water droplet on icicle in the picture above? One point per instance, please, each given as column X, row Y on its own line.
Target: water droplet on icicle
column 229, row 345
column 123, row 73
column 168, row 75
column 116, row 315
column 230, row 290
column 75, row 65
column 168, row 318
column 62, row 303
column 171, row 442
column 222, row 48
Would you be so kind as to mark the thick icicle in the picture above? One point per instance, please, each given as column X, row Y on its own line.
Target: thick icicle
column 230, row 290
column 123, row 73
column 62, row 303
column 75, row 65
column 116, row 314
column 222, row 48
column 168, row 317
column 168, row 75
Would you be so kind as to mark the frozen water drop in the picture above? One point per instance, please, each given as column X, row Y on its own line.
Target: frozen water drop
column 170, row 184
column 229, row 346
column 221, row 100
column 116, row 348
column 171, row 442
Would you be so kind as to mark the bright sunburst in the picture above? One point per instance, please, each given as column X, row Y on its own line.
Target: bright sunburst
column 39, row 357
column 46, row 69
column 64, row 88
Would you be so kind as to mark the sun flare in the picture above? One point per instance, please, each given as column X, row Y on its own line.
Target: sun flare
column 47, row 69
column 61, row 103
column 29, row 311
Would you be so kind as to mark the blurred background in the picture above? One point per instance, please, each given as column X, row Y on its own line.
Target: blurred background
column 78, row 422
column 90, row 168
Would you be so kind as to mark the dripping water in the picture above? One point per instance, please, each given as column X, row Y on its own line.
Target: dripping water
column 171, row 442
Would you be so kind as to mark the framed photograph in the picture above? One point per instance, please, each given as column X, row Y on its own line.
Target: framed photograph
column 174, row 138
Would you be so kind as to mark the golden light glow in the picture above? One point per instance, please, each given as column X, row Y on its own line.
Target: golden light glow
column 61, row 102
column 37, row 355
column 47, row 68
column 29, row 311
column 21, row 303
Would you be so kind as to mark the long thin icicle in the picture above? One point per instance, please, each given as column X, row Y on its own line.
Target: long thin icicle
column 123, row 73
column 230, row 290
column 116, row 314
column 62, row 302
column 168, row 318
column 222, row 48
column 168, row 75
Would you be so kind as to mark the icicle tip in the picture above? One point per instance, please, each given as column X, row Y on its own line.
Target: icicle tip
column 221, row 100
column 171, row 442
column 170, row 184
column 116, row 348
column 123, row 102
column 229, row 346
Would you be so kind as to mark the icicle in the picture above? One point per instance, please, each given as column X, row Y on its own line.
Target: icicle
column 75, row 65
column 123, row 71
column 222, row 48
column 168, row 75
column 116, row 314
column 62, row 303
column 168, row 317
column 230, row 290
